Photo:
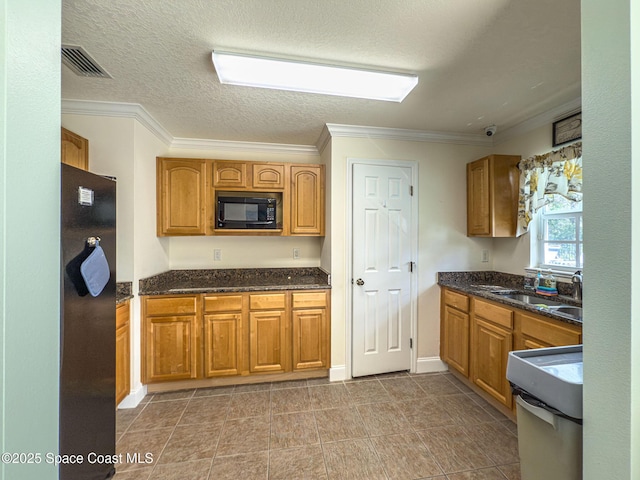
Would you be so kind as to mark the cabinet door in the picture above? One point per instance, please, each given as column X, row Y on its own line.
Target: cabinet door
column 267, row 341
column 307, row 200
column 181, row 197
column 478, row 198
column 171, row 348
column 223, row 344
column 268, row 175
column 229, row 174
column 309, row 339
column 456, row 339
column 123, row 346
column 123, row 372
column 123, row 385
column 74, row 150
column 491, row 347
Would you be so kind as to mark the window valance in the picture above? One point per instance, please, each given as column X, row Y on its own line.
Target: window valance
column 558, row 172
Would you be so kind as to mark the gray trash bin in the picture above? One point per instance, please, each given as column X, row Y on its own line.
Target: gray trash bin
column 550, row 445
column 548, row 385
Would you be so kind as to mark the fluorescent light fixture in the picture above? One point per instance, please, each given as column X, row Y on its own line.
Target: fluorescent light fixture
column 297, row 76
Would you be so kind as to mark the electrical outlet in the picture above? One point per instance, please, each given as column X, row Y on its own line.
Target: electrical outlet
column 217, row 255
column 484, row 257
column 296, row 253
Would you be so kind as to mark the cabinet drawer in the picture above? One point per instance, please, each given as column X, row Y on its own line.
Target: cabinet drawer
column 267, row 301
column 309, row 299
column 498, row 315
column 456, row 300
column 548, row 332
column 222, row 303
column 170, row 305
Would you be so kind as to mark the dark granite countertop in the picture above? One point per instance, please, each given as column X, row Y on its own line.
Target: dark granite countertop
column 123, row 292
column 483, row 284
column 176, row 282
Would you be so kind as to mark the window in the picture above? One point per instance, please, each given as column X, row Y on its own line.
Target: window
column 560, row 234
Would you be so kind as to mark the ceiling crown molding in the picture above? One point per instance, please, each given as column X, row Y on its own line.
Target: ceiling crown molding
column 355, row 131
column 229, row 145
column 113, row 109
column 545, row 118
column 138, row 112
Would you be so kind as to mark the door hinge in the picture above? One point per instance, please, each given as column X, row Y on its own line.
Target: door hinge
column 411, row 190
column 411, row 343
column 412, row 266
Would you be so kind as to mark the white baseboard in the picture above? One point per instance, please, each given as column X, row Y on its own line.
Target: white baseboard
column 338, row 373
column 431, row 365
column 134, row 398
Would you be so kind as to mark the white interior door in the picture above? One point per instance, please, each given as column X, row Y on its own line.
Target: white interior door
column 382, row 269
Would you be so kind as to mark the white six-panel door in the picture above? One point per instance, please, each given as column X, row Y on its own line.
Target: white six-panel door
column 382, row 269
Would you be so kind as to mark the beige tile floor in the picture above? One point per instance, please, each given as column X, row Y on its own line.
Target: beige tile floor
column 395, row 426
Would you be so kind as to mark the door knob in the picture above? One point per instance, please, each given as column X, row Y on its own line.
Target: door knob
column 360, row 282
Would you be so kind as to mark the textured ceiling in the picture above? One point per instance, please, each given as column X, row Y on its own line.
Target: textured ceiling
column 479, row 62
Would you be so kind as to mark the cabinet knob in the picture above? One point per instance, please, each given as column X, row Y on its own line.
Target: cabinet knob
column 360, row 282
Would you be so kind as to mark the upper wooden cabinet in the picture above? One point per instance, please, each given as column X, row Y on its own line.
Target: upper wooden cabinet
column 492, row 196
column 307, row 200
column 181, row 196
column 227, row 174
column 268, row 176
column 74, row 150
column 187, row 188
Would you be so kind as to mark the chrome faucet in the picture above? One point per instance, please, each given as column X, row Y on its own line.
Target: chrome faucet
column 576, row 279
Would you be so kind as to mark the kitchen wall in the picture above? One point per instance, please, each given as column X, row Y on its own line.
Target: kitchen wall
column 443, row 244
column 29, row 235
column 512, row 255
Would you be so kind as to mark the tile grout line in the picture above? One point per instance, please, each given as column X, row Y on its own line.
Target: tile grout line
column 172, row 432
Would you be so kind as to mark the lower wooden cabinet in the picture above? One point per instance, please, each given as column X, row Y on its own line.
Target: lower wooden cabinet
column 171, row 340
column 231, row 334
column 477, row 336
column 123, row 351
column 224, row 327
column 455, row 329
column 267, row 341
column 222, row 344
column 310, row 330
column 491, row 343
column 536, row 331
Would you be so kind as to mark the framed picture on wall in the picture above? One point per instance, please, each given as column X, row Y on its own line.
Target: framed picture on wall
column 568, row 129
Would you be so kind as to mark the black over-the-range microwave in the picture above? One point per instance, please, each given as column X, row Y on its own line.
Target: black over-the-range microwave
column 247, row 212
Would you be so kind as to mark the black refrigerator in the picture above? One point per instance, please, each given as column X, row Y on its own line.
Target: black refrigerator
column 87, row 324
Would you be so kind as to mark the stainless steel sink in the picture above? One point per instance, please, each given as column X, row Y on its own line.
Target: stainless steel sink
column 545, row 304
column 531, row 299
column 575, row 312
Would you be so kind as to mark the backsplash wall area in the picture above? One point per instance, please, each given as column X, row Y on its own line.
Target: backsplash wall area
column 243, row 252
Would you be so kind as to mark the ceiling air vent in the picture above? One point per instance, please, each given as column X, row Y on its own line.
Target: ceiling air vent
column 78, row 60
